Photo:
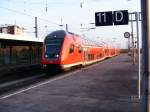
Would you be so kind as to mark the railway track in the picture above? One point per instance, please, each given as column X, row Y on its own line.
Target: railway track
column 11, row 83
column 16, row 81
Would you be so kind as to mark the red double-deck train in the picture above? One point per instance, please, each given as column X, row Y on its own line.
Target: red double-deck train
column 64, row 50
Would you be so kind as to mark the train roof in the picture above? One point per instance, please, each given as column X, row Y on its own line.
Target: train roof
column 62, row 33
column 55, row 34
column 20, row 38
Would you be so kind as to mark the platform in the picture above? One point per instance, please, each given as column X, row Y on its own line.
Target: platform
column 108, row 86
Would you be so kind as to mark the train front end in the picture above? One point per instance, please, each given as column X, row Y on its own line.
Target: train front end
column 51, row 52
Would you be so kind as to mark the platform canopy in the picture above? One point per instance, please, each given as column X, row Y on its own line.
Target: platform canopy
column 20, row 40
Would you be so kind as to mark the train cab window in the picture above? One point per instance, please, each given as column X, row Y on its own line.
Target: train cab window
column 71, row 50
column 79, row 49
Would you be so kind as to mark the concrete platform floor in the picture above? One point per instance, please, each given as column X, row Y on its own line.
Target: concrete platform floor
column 109, row 86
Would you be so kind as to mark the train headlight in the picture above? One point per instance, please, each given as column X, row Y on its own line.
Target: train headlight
column 57, row 56
column 46, row 56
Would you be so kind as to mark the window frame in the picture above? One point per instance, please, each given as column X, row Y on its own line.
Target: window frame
column 71, row 48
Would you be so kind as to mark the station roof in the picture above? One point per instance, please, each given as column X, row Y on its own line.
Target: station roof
column 20, row 40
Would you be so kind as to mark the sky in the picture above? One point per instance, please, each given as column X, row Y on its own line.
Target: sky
column 53, row 13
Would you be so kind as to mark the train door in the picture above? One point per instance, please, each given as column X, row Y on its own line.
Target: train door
column 85, row 56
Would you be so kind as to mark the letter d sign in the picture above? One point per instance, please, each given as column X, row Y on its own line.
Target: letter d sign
column 121, row 17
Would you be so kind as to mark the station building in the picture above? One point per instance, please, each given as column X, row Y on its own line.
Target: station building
column 16, row 48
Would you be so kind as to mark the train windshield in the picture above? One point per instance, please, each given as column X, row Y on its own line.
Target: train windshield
column 53, row 43
column 52, row 47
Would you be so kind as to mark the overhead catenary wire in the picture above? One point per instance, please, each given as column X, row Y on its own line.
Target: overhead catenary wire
column 26, row 14
column 43, row 3
column 29, row 15
column 32, row 3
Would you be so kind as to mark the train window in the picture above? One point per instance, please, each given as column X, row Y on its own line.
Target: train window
column 90, row 56
column 101, row 55
column 71, row 50
column 79, row 49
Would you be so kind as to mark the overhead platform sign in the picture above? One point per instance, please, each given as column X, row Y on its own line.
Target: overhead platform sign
column 111, row 18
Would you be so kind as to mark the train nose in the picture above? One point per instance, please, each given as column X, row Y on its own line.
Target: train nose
column 51, row 56
column 51, row 61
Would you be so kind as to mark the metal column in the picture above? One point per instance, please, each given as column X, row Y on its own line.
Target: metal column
column 139, row 59
column 148, row 45
column 144, row 9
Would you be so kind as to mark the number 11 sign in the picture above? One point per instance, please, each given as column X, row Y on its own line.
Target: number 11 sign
column 109, row 18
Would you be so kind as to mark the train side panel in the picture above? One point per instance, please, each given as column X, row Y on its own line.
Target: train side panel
column 71, row 53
